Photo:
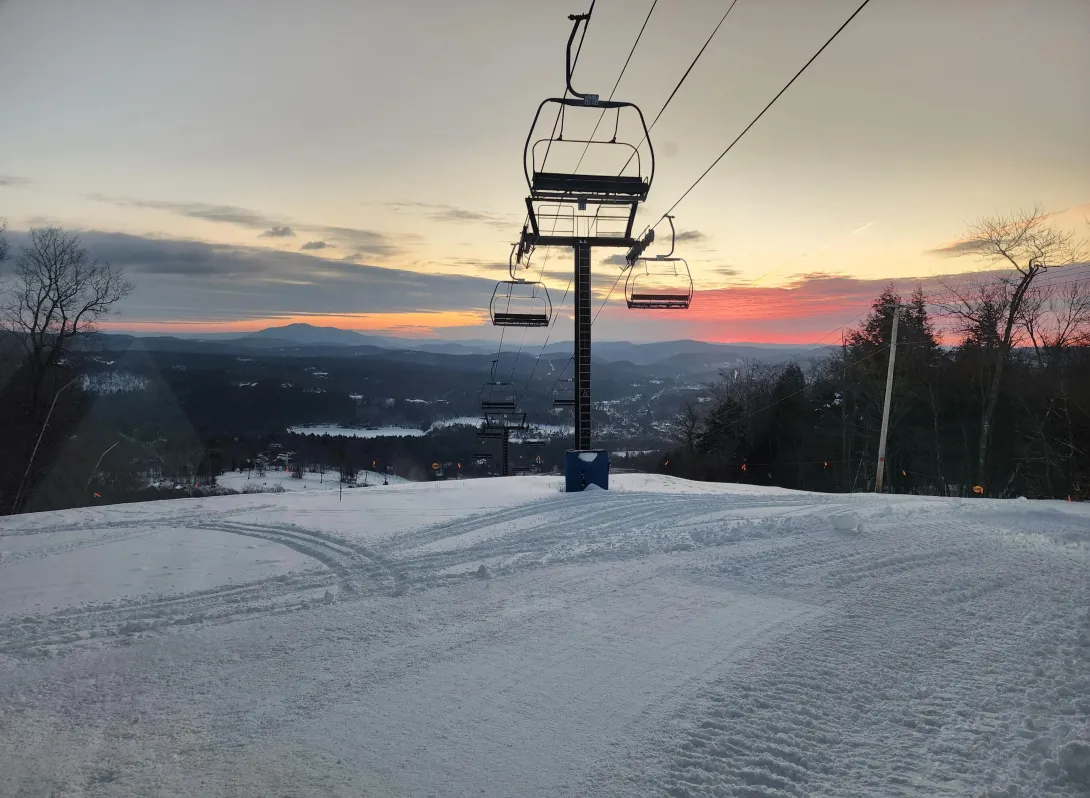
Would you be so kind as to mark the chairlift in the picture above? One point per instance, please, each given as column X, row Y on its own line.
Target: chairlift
column 627, row 186
column 520, row 303
column 497, row 398
column 564, row 395
column 662, row 282
column 485, row 432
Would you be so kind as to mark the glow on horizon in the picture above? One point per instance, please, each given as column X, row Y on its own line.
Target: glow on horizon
column 409, row 324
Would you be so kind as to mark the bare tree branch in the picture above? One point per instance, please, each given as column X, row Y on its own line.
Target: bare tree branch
column 57, row 293
column 994, row 316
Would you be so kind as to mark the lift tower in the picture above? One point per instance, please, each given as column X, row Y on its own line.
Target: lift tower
column 586, row 210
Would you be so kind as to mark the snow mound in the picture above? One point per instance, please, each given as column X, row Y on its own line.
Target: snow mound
column 483, row 572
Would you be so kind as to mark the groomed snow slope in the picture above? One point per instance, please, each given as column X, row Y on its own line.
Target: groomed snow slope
column 498, row 637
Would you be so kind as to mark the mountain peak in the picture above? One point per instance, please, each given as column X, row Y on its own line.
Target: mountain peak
column 303, row 333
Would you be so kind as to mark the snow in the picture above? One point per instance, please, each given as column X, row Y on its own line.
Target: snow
column 275, row 480
column 461, row 421
column 500, row 637
column 356, row 432
column 111, row 382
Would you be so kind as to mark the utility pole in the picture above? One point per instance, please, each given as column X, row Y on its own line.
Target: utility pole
column 885, row 405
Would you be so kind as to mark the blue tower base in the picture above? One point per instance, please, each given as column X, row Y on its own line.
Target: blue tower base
column 583, row 468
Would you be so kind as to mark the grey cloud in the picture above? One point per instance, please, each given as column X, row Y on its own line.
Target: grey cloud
column 691, row 235
column 13, row 180
column 955, row 249
column 224, row 214
column 362, row 242
column 615, row 260
column 726, row 271
column 481, row 265
column 278, row 231
column 184, row 280
column 176, row 257
column 451, row 213
column 314, row 245
column 465, row 215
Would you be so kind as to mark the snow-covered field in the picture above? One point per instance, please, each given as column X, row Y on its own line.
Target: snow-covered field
column 279, row 479
column 359, row 432
column 546, row 430
column 498, row 637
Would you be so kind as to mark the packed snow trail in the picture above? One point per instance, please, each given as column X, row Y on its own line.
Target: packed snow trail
column 498, row 637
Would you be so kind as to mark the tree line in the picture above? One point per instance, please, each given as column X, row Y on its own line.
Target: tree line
column 998, row 405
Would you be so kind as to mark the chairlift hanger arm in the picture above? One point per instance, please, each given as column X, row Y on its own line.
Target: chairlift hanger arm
column 673, row 236
column 637, row 250
column 587, row 99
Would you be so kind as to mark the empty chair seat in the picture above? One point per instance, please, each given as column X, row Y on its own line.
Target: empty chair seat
column 662, row 283
column 547, row 185
column 664, row 301
column 518, row 303
column 501, row 319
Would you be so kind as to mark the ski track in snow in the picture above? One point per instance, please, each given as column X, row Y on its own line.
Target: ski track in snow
column 497, row 637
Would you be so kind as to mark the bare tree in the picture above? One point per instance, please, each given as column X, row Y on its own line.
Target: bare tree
column 1055, row 316
column 685, row 429
column 54, row 297
column 1027, row 242
column 6, row 345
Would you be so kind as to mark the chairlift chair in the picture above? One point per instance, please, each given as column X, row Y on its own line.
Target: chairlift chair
column 485, row 432
column 497, row 398
column 662, row 282
column 567, row 397
column 520, row 303
column 627, row 188
column 659, row 284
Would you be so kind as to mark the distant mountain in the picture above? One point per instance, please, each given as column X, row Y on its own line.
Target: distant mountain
column 302, row 333
column 303, row 339
column 686, row 352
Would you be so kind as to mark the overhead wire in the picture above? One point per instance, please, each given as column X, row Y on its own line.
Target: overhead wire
column 617, row 82
column 666, row 104
column 560, row 110
column 763, row 111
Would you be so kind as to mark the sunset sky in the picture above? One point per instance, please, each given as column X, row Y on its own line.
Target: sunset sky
column 359, row 164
